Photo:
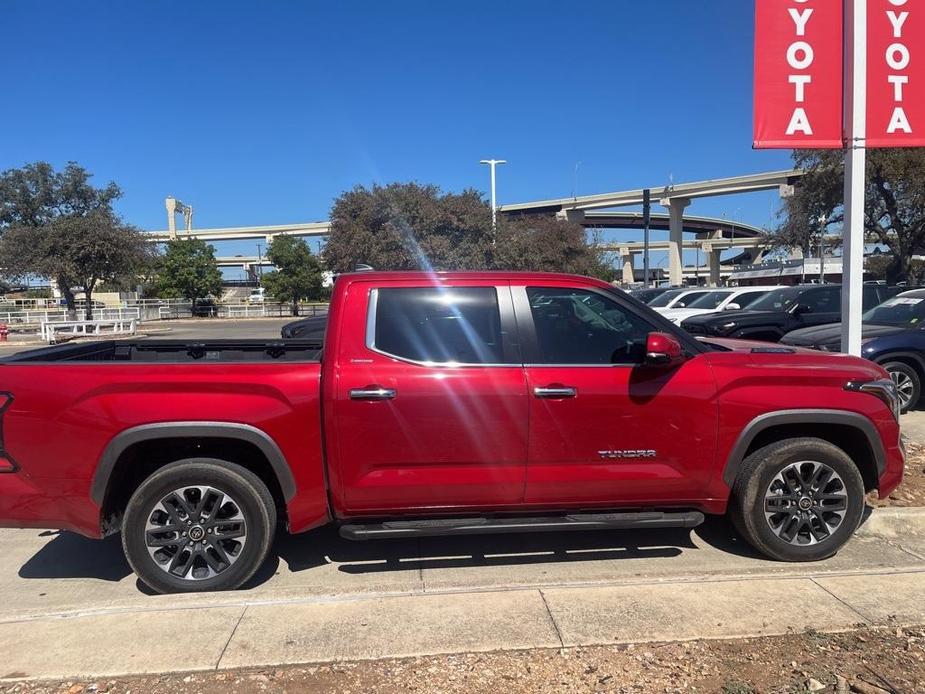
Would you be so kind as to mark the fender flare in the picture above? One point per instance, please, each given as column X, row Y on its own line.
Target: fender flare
column 811, row 416
column 190, row 430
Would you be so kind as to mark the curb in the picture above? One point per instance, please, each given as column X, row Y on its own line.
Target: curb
column 894, row 522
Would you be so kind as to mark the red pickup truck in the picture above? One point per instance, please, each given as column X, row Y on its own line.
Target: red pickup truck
column 441, row 404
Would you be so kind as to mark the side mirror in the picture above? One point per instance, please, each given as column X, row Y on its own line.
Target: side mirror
column 800, row 309
column 663, row 349
column 732, row 307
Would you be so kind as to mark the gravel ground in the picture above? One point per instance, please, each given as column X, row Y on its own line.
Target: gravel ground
column 912, row 491
column 866, row 661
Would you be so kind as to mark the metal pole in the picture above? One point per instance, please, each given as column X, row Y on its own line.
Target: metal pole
column 822, row 253
column 492, row 163
column 855, row 162
column 646, row 219
column 494, row 205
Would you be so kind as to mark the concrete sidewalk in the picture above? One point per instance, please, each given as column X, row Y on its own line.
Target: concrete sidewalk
column 71, row 608
column 109, row 643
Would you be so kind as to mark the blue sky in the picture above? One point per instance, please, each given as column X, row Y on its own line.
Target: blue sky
column 263, row 112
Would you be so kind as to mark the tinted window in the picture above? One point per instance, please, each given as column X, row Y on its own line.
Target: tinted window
column 778, row 300
column 746, row 299
column 575, row 326
column 822, row 300
column 664, row 299
column 709, row 300
column 440, row 325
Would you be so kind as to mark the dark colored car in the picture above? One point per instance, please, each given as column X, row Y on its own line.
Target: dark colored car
column 311, row 328
column 784, row 310
column 204, row 308
column 893, row 336
column 646, row 295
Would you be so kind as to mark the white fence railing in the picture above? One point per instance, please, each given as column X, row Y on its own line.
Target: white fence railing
column 52, row 331
column 61, row 315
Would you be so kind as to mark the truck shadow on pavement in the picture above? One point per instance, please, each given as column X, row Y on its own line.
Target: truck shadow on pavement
column 324, row 546
column 67, row 555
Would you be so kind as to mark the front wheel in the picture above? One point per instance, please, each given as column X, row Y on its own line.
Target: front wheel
column 198, row 525
column 907, row 381
column 798, row 500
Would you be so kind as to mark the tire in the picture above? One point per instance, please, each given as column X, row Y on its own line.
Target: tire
column 793, row 531
column 907, row 381
column 221, row 535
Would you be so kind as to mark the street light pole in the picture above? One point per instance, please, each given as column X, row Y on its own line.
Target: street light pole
column 822, row 220
column 492, row 163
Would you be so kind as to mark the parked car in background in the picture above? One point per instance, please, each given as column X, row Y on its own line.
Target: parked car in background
column 893, row 336
column 311, row 328
column 729, row 299
column 646, row 295
column 676, row 298
column 204, row 308
column 783, row 310
column 257, row 296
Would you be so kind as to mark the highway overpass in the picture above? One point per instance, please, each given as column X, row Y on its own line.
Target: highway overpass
column 594, row 211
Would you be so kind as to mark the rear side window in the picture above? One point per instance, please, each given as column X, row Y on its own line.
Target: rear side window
column 458, row 325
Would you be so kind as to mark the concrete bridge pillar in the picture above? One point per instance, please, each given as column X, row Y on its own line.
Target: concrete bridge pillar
column 576, row 216
column 713, row 258
column 675, row 238
column 626, row 259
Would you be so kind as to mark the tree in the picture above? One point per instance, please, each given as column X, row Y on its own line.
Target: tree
column 298, row 273
column 79, row 251
column 38, row 197
column 409, row 226
column 188, row 270
column 894, row 196
column 547, row 244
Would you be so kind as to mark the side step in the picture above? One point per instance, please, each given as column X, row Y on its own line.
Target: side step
column 546, row 524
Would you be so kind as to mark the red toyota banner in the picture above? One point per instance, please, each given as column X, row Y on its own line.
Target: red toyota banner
column 895, row 73
column 798, row 74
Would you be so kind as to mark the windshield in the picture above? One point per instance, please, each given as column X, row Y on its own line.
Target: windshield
column 779, row 300
column 709, row 300
column 667, row 297
column 906, row 310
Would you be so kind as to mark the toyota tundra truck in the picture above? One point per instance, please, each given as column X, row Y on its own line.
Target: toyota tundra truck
column 441, row 404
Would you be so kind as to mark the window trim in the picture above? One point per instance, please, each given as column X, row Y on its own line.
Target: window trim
column 509, row 342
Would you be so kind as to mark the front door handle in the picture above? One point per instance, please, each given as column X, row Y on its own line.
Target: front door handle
column 373, row 393
column 555, row 392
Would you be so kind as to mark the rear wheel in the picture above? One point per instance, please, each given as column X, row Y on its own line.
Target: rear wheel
column 798, row 500
column 198, row 525
column 907, row 381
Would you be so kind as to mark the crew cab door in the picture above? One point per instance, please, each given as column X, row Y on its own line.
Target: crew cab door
column 430, row 406
column 606, row 429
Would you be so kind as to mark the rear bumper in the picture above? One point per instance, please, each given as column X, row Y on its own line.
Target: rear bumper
column 47, row 503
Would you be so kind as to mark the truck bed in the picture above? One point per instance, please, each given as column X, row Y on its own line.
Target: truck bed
column 175, row 351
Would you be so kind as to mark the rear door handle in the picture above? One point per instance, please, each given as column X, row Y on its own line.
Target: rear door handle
column 555, row 392
column 373, row 393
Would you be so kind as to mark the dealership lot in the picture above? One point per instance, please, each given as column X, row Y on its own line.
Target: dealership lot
column 322, row 598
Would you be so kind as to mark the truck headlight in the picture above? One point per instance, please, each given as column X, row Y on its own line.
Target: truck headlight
column 883, row 388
